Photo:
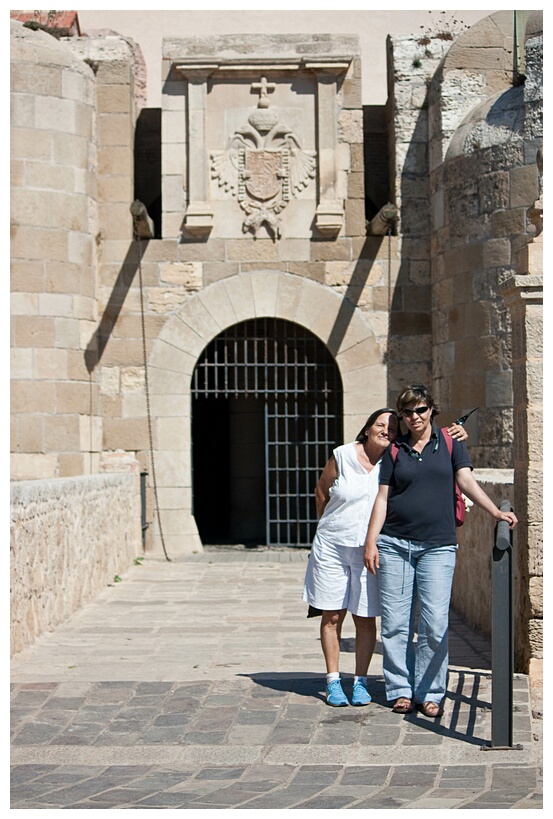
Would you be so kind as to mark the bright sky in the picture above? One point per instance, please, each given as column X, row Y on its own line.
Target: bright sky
column 148, row 28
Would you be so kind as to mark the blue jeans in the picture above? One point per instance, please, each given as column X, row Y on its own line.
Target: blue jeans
column 413, row 572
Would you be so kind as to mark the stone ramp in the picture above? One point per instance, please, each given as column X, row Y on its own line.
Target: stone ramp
column 199, row 683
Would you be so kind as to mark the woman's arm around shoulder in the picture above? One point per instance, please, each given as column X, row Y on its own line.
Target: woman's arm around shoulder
column 458, row 432
column 378, row 516
column 322, row 490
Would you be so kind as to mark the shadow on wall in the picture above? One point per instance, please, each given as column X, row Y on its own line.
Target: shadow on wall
column 354, row 290
column 409, row 354
column 98, row 342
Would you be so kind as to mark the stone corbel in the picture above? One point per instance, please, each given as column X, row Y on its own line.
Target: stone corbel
column 329, row 216
column 529, row 258
column 198, row 218
column 383, row 222
column 522, row 289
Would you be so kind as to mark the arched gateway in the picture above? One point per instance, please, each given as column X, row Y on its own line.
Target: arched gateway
column 266, row 410
column 295, row 316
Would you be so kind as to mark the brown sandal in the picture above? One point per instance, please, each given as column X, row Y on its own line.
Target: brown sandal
column 430, row 709
column 403, row 705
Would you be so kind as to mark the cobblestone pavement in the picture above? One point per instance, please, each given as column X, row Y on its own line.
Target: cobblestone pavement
column 199, row 684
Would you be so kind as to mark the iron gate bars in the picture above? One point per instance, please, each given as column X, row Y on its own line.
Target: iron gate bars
column 298, row 380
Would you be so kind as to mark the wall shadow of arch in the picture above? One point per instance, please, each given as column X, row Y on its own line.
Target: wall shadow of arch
column 97, row 344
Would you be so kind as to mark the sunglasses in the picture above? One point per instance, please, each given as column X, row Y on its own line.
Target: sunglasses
column 418, row 410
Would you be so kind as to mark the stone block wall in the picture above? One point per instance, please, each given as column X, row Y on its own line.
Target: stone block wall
column 424, row 304
column 482, row 181
column 488, row 276
column 323, row 243
column 185, row 274
column 523, row 295
column 113, row 63
column 432, row 86
column 411, row 66
column 460, row 223
column 69, row 537
column 475, row 253
column 347, row 332
column 56, row 429
column 187, row 303
column 466, row 139
column 472, row 583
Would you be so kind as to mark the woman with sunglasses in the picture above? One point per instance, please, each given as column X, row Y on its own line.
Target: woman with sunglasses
column 411, row 541
column 336, row 579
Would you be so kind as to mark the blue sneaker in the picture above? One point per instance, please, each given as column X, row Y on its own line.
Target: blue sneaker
column 360, row 695
column 335, row 694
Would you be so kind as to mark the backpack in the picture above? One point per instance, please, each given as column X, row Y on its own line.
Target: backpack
column 460, row 506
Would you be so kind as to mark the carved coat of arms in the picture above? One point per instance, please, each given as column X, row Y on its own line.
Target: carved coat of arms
column 263, row 166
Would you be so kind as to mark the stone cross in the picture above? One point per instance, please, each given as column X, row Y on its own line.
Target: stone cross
column 265, row 88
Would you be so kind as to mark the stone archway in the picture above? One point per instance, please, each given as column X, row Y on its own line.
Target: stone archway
column 266, row 408
column 263, row 293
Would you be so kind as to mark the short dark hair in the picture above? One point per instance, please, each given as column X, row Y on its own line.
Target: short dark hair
column 362, row 436
column 414, row 393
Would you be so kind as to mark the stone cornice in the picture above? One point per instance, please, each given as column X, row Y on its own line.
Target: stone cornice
column 336, row 66
column 262, row 49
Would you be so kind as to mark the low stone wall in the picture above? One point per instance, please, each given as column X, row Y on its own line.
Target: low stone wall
column 68, row 538
column 472, row 583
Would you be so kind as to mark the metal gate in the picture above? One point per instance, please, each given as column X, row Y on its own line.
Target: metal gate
column 295, row 375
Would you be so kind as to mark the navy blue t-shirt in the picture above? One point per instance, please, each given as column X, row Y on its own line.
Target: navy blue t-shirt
column 421, row 503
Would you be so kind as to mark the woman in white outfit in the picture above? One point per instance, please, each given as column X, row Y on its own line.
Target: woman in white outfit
column 336, row 579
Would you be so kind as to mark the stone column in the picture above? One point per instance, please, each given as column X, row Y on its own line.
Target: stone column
column 523, row 295
column 199, row 215
column 329, row 216
column 55, row 423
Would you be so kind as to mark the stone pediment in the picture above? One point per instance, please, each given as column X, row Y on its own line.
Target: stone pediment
column 260, row 132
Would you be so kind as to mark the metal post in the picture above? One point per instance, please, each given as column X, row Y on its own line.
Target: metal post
column 502, row 636
column 143, row 476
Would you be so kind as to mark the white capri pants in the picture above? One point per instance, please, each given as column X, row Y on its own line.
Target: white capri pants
column 336, row 578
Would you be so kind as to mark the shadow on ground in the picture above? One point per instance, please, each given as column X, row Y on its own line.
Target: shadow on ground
column 309, row 684
column 466, row 710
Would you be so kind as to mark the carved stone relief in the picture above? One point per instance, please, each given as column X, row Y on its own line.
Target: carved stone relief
column 275, row 168
column 263, row 165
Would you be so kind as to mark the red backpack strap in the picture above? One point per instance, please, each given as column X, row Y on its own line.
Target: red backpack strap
column 460, row 508
column 448, row 440
column 394, row 450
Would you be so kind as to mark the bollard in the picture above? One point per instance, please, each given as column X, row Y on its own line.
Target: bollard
column 143, row 476
column 502, row 637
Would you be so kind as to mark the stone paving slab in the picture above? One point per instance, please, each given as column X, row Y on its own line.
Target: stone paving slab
column 267, row 786
column 199, row 684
